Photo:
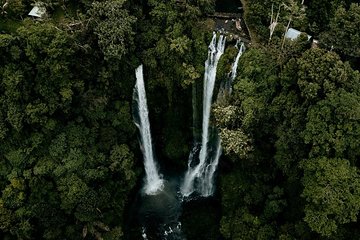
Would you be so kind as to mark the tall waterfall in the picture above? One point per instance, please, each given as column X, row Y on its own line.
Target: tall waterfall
column 224, row 90
column 201, row 177
column 153, row 181
column 208, row 181
column 198, row 172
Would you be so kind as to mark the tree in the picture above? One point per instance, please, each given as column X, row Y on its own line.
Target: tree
column 303, row 122
column 66, row 166
column 343, row 35
column 331, row 188
column 13, row 8
column 113, row 27
column 320, row 12
column 275, row 15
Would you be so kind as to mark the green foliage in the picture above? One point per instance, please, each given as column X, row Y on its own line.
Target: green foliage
column 258, row 17
column 320, row 12
column 331, row 188
column 64, row 164
column 236, row 142
column 343, row 35
column 113, row 27
column 173, row 44
column 13, row 8
column 191, row 73
column 226, row 116
column 304, row 126
column 332, row 128
column 290, row 131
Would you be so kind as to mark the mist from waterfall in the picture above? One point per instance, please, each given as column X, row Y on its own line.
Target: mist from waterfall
column 153, row 181
column 194, row 179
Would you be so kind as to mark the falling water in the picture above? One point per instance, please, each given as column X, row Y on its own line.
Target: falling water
column 198, row 172
column 153, row 181
column 160, row 207
column 234, row 66
column 208, row 185
column 226, row 86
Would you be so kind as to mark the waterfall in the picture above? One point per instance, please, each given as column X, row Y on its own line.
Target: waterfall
column 234, row 66
column 226, row 86
column 216, row 49
column 153, row 181
column 160, row 205
column 201, row 177
column 207, row 184
column 208, row 180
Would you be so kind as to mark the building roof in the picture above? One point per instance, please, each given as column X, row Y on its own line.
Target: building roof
column 37, row 11
column 293, row 34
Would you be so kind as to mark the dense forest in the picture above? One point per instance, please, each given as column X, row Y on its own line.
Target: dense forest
column 70, row 161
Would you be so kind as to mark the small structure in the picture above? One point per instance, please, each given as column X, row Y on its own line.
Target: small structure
column 38, row 11
column 293, row 34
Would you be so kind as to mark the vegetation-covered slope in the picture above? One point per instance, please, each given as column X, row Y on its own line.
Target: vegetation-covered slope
column 69, row 154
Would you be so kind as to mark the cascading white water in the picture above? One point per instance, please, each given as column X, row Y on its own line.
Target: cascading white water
column 226, row 86
column 208, row 183
column 205, row 170
column 161, row 204
column 153, row 181
column 234, row 66
column 216, row 49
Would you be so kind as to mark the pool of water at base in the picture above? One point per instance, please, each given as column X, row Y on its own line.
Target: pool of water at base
column 167, row 216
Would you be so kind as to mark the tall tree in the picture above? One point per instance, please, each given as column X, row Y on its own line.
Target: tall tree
column 343, row 35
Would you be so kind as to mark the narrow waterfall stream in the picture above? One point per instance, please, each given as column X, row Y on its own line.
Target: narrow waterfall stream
column 232, row 74
column 159, row 202
column 225, row 89
column 153, row 181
